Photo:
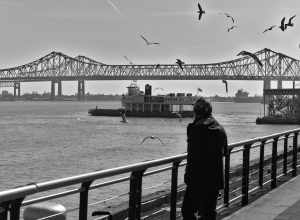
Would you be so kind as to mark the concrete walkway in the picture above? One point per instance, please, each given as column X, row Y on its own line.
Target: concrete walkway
column 282, row 203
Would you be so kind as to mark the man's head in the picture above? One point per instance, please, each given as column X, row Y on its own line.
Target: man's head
column 202, row 108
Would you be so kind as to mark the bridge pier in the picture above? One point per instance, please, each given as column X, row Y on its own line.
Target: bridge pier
column 267, row 85
column 59, row 89
column 81, row 90
column 17, row 89
column 279, row 84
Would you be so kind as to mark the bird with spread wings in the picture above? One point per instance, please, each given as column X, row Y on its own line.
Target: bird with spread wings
column 290, row 24
column 148, row 43
column 152, row 137
column 180, row 63
column 246, row 53
column 229, row 16
column 200, row 11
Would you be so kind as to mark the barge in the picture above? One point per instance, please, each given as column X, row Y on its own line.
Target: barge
column 137, row 103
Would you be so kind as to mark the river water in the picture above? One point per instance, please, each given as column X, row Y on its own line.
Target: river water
column 43, row 141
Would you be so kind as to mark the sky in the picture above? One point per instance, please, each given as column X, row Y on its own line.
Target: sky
column 108, row 30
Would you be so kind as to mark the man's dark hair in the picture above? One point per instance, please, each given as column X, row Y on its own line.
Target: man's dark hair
column 202, row 108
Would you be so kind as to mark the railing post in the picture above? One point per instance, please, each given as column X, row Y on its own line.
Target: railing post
column 261, row 164
column 227, row 177
column 295, row 152
column 274, row 163
column 174, row 190
column 245, row 177
column 83, row 203
column 4, row 210
column 285, row 154
column 15, row 207
column 135, row 195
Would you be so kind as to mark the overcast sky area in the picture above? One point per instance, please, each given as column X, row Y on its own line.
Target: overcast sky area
column 108, row 30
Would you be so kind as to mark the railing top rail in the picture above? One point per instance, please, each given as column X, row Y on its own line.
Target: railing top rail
column 33, row 188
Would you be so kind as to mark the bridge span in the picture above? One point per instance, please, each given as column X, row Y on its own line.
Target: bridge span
column 57, row 67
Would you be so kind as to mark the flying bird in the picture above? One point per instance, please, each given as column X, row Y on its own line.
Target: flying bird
column 148, row 43
column 246, row 53
column 231, row 28
column 226, row 85
column 282, row 24
column 114, row 7
column 157, row 65
column 290, row 22
column 229, row 16
column 201, row 12
column 269, row 28
column 129, row 61
column 199, row 89
column 179, row 63
column 152, row 137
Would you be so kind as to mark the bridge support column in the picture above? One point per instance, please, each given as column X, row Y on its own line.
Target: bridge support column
column 81, row 90
column 267, row 85
column 279, row 84
column 59, row 89
column 52, row 90
column 17, row 89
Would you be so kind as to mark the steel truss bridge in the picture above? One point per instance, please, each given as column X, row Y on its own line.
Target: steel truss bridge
column 57, row 66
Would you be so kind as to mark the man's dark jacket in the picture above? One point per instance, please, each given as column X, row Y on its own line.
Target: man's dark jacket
column 207, row 141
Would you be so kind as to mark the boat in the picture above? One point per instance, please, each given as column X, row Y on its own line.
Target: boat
column 242, row 96
column 137, row 103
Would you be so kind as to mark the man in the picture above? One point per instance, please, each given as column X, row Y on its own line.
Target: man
column 207, row 141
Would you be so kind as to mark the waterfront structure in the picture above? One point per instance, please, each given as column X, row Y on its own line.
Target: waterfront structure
column 282, row 105
column 57, row 67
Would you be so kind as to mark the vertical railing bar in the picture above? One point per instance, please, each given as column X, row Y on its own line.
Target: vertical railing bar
column 295, row 152
column 83, row 203
column 174, row 183
column 285, row 154
column 274, row 163
column 4, row 207
column 261, row 163
column 135, row 195
column 245, row 177
column 227, row 177
column 15, row 207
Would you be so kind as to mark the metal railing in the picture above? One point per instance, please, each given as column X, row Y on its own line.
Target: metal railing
column 12, row 200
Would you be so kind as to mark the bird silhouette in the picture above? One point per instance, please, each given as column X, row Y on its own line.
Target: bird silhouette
column 231, row 28
column 157, row 65
column 201, row 12
column 152, row 137
column 290, row 22
column 179, row 63
column 129, row 61
column 226, row 85
column 229, row 16
column 246, row 53
column 282, row 24
column 148, row 43
column 269, row 28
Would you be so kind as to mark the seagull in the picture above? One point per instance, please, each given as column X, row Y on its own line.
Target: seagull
column 201, row 12
column 179, row 63
column 226, row 85
column 246, row 53
column 290, row 22
column 152, row 137
column 229, row 16
column 149, row 42
column 126, row 58
column 269, row 29
column 231, row 28
column 282, row 25
column 199, row 89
